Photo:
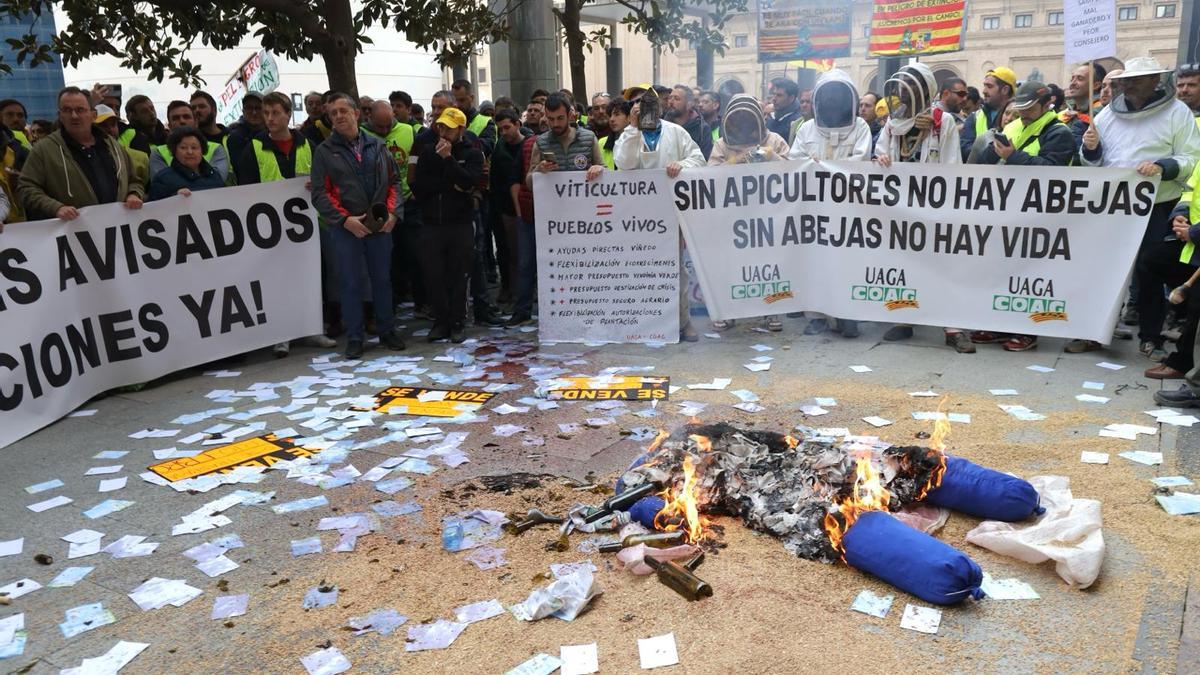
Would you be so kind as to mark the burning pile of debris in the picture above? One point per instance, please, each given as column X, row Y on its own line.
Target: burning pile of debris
column 825, row 498
column 779, row 484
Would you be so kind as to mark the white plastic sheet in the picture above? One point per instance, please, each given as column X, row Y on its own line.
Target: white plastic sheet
column 1068, row 533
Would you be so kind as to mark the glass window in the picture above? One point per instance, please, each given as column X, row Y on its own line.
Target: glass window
column 741, row 41
column 1054, row 19
column 1164, row 11
column 1127, row 13
column 1023, row 21
column 991, row 23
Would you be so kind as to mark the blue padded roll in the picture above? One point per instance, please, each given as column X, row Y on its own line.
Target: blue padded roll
column 911, row 560
column 984, row 493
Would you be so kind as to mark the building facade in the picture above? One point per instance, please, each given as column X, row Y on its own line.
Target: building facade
column 35, row 86
column 1025, row 35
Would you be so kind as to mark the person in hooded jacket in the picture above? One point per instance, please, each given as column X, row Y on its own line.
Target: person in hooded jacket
column 835, row 132
column 746, row 140
column 916, row 131
column 1146, row 127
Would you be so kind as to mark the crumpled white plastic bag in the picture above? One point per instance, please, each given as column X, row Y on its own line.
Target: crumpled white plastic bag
column 566, row 598
column 1068, row 533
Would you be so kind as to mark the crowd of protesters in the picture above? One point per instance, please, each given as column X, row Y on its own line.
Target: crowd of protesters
column 437, row 209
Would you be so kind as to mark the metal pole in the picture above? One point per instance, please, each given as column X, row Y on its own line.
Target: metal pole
column 1189, row 32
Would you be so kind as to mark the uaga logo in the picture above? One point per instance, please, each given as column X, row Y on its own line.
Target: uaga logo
column 885, row 286
column 1032, row 296
column 762, row 282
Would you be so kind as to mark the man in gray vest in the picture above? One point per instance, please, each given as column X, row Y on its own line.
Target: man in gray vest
column 565, row 147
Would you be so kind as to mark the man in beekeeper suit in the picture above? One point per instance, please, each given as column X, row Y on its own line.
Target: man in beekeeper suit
column 835, row 132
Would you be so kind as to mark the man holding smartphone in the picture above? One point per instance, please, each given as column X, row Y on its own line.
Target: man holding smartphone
column 1037, row 138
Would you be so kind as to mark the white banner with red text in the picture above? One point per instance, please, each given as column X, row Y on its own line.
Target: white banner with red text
column 1026, row 250
column 120, row 296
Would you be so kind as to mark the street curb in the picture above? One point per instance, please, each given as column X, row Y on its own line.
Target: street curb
column 1188, row 659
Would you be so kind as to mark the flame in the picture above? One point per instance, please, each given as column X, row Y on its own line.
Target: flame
column 868, row 495
column 791, row 441
column 682, row 509
column 941, row 427
column 937, row 444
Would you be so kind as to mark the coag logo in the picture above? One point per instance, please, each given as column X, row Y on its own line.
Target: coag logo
column 1038, row 309
column 769, row 291
column 892, row 297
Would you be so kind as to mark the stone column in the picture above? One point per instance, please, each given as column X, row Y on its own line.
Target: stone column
column 527, row 60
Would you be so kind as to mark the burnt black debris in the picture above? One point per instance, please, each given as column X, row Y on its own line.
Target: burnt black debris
column 779, row 484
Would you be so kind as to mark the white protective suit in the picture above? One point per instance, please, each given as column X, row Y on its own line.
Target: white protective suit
column 1164, row 129
column 836, row 131
column 916, row 89
column 674, row 145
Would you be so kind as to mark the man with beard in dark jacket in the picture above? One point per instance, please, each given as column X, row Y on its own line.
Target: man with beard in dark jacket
column 204, row 109
column 683, row 112
column 1037, row 138
column 505, row 170
column 448, row 174
column 250, row 125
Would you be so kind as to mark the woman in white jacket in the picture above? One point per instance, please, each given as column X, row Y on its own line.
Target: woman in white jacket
column 918, row 132
column 650, row 142
column 835, row 132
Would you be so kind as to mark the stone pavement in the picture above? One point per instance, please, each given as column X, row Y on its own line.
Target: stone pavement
column 803, row 367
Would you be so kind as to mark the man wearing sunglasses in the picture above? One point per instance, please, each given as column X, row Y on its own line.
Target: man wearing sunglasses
column 953, row 93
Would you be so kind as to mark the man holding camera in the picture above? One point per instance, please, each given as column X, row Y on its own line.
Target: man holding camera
column 1037, row 138
column 356, row 189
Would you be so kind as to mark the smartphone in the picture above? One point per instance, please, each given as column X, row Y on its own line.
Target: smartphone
column 1003, row 140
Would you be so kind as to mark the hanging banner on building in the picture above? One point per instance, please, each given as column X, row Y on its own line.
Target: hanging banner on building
column 259, row 73
column 118, row 296
column 790, row 30
column 913, row 27
column 1007, row 249
column 607, row 257
column 1089, row 30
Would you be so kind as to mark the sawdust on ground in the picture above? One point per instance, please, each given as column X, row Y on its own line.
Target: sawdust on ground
column 771, row 612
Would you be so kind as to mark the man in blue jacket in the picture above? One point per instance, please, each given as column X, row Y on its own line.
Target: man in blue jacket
column 356, row 189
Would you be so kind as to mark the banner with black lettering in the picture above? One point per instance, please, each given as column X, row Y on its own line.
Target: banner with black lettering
column 1027, row 250
column 607, row 257
column 119, row 296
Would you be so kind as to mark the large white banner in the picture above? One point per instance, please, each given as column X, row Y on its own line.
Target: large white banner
column 607, row 257
column 1042, row 251
column 120, row 296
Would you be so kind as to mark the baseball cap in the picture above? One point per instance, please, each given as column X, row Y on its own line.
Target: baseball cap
column 453, row 118
column 104, row 113
column 1005, row 75
column 1029, row 93
column 636, row 90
